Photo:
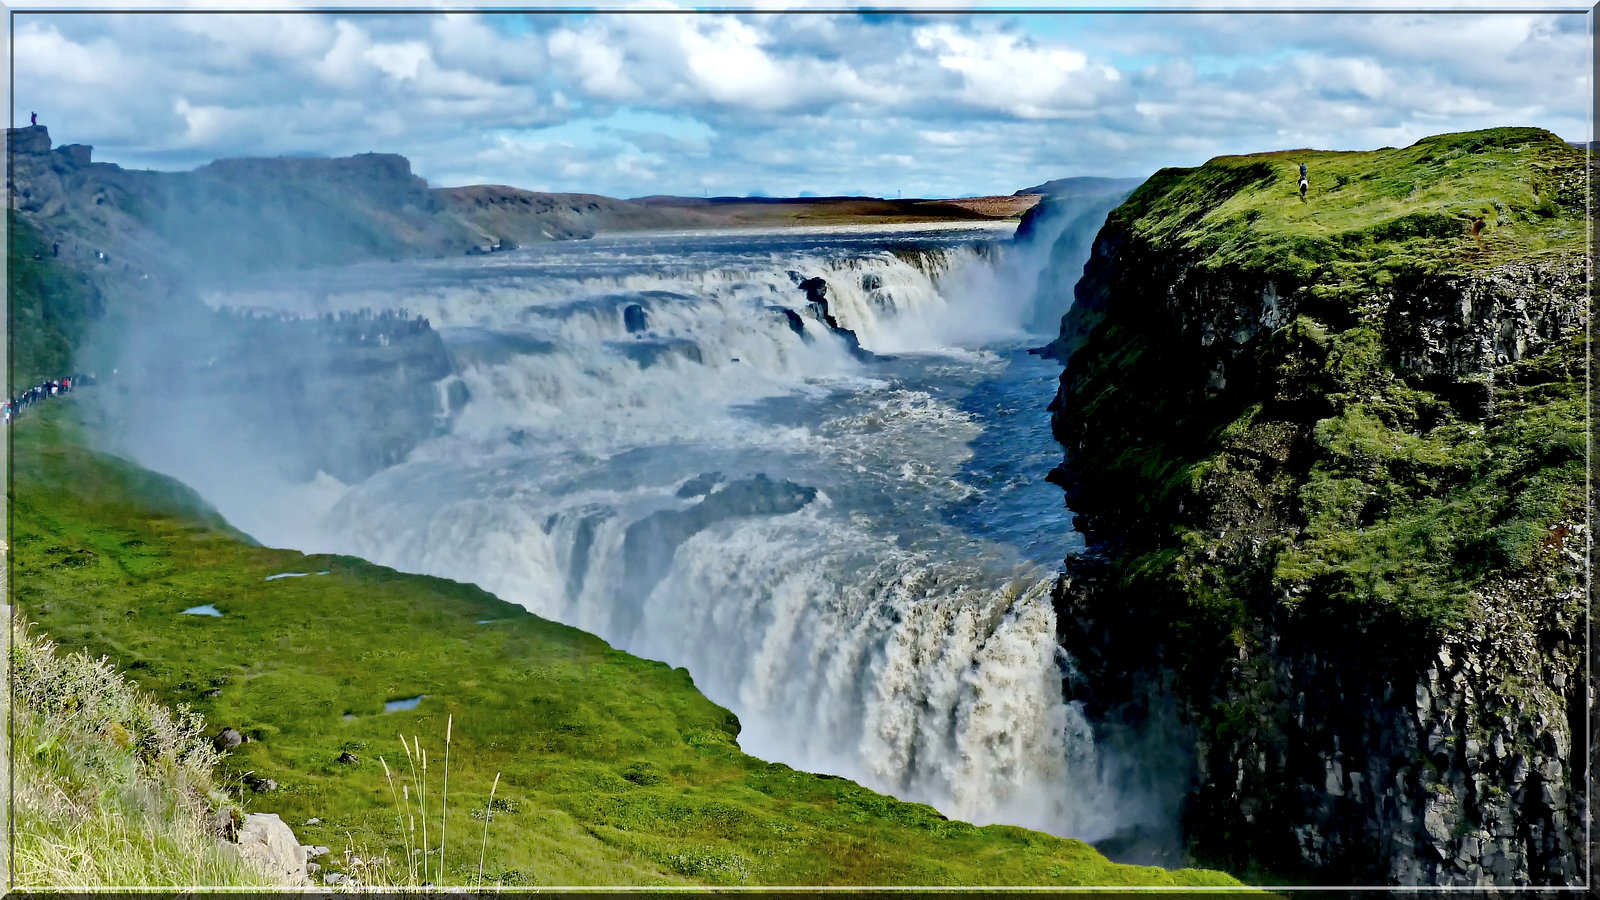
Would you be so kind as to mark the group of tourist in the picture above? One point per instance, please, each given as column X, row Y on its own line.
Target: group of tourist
column 351, row 327
column 41, row 392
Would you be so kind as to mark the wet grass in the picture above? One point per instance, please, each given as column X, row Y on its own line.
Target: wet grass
column 614, row 769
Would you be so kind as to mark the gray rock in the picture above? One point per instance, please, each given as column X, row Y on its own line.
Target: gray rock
column 227, row 740
column 267, row 843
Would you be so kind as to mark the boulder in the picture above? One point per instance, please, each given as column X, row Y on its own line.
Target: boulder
column 266, row 842
column 816, row 290
column 227, row 740
column 634, row 319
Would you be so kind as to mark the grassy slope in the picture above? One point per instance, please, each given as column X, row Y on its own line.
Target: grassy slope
column 111, row 788
column 43, row 333
column 1392, row 499
column 616, row 771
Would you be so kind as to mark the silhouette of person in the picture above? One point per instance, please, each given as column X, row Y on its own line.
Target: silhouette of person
column 33, row 118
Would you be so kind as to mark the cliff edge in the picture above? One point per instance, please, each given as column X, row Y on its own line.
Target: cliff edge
column 1328, row 453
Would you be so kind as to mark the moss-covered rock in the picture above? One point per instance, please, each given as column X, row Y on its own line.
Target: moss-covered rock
column 1321, row 449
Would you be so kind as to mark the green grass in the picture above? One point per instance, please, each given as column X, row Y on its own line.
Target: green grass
column 110, row 788
column 615, row 769
column 1369, row 215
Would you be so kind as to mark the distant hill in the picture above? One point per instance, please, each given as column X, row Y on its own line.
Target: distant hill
column 254, row 214
column 774, row 211
column 1074, row 188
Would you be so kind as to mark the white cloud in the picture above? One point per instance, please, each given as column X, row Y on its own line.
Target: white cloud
column 401, row 61
column 950, row 103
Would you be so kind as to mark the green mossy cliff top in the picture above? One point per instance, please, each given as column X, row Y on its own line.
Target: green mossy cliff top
column 1272, row 402
column 1410, row 208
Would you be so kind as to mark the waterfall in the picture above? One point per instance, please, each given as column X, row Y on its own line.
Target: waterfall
column 663, row 442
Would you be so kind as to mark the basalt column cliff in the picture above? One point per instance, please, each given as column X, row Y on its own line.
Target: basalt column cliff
column 1329, row 456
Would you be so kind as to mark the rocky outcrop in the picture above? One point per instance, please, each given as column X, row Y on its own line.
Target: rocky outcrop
column 1334, row 513
column 816, row 293
column 1457, row 326
column 634, row 319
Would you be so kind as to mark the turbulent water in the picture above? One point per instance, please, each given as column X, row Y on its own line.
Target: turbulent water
column 853, row 554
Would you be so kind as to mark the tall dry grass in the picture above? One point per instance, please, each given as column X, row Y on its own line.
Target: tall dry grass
column 112, row 788
column 422, row 867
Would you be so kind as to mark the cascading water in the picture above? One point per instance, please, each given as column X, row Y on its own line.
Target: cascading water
column 668, row 445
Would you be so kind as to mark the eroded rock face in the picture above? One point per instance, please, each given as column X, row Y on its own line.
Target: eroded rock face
column 650, row 543
column 816, row 293
column 1460, row 326
column 1386, row 761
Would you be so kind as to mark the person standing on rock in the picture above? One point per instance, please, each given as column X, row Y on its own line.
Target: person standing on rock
column 33, row 118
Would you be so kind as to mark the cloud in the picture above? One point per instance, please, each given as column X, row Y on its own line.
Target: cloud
column 628, row 104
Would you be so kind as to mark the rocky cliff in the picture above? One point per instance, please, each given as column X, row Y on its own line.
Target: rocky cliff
column 1329, row 458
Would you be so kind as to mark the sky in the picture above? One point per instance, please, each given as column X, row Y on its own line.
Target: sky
column 668, row 100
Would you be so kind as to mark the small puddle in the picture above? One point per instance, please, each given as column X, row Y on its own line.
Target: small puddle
column 207, row 610
column 487, row 621
column 294, row 575
column 390, row 706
